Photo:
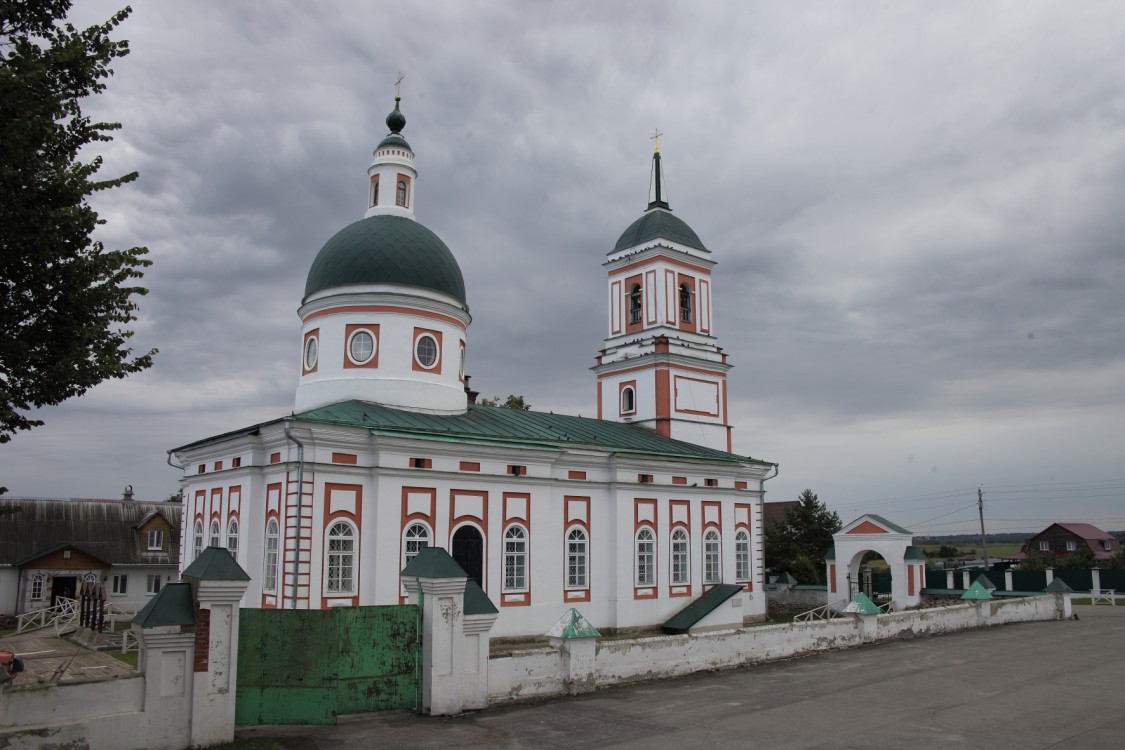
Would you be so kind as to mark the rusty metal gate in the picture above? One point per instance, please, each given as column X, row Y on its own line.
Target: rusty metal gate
column 309, row 666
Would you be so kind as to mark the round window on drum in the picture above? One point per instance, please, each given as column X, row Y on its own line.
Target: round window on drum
column 361, row 346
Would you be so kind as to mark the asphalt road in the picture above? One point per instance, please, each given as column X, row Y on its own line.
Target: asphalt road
column 1025, row 686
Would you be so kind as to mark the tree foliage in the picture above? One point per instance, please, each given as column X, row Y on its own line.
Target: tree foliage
column 799, row 544
column 512, row 402
column 64, row 299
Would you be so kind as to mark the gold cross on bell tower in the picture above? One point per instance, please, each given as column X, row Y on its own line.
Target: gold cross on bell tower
column 398, row 86
column 656, row 140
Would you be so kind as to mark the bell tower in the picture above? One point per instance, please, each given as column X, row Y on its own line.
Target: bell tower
column 661, row 366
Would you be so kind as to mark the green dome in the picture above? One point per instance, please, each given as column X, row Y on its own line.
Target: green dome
column 658, row 223
column 386, row 250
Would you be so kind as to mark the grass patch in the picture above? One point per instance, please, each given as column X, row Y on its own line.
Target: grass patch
column 129, row 657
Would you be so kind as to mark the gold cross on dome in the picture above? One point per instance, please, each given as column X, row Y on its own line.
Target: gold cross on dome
column 656, row 140
column 398, row 85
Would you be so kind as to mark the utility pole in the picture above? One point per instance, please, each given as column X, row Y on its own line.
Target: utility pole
column 980, row 509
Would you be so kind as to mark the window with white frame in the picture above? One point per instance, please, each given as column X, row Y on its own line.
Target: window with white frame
column 269, row 574
column 232, row 538
column 742, row 556
column 1071, row 545
column 712, row 568
column 416, row 539
column 576, row 551
column 37, row 581
column 213, row 538
column 121, row 584
column 197, row 540
column 341, row 559
column 646, row 557
column 156, row 539
column 1107, row 545
column 515, row 559
column 361, row 346
column 152, row 584
column 680, row 570
column 1044, row 546
column 628, row 400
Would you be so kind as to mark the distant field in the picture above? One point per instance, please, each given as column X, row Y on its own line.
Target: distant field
column 966, row 552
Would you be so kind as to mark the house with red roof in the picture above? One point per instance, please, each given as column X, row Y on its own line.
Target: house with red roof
column 1061, row 540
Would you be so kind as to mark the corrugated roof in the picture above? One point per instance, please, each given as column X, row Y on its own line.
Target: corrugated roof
column 173, row 605
column 494, row 424
column 215, row 564
column 105, row 529
column 658, row 223
column 1085, row 530
column 687, row 617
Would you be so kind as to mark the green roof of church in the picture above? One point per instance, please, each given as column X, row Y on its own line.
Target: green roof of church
column 497, row 425
column 658, row 223
column 394, row 139
column 386, row 249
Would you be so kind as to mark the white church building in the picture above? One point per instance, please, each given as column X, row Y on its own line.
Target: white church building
column 628, row 517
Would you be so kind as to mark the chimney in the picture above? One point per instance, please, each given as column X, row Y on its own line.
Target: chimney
column 128, row 495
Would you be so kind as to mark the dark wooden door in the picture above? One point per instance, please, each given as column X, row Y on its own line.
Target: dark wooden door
column 468, row 552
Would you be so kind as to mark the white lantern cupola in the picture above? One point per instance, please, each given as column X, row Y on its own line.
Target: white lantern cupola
column 391, row 176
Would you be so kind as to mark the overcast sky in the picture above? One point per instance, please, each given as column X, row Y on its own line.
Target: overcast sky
column 917, row 210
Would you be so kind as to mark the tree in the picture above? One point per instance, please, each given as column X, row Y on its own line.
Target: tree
column 64, row 299
column 512, row 402
column 802, row 541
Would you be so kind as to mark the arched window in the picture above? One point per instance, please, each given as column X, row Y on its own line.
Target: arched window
column 646, row 557
column 635, row 304
column 214, row 539
column 742, row 556
column 576, row 550
column 400, row 197
column 515, row 559
column 37, row 585
column 232, row 538
column 197, row 540
column 416, row 538
column 340, row 565
column 680, row 570
column 685, row 303
column 375, row 190
column 269, row 574
column 628, row 400
column 712, row 568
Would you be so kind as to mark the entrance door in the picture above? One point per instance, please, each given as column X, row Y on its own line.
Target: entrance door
column 64, row 586
column 468, row 552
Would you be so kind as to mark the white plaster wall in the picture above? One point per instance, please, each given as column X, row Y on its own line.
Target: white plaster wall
column 529, row 673
column 9, row 590
column 394, row 382
column 103, row 715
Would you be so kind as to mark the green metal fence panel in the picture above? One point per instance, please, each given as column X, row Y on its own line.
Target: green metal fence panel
column 997, row 578
column 308, row 666
column 935, row 579
column 1079, row 580
column 1029, row 580
column 881, row 582
column 1113, row 579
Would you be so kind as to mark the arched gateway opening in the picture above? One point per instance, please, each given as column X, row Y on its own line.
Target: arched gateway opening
column 876, row 557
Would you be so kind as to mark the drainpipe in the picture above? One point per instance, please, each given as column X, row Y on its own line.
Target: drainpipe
column 761, row 527
column 300, row 498
column 183, row 515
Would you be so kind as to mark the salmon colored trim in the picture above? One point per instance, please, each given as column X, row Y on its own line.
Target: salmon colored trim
column 718, row 408
column 572, row 474
column 345, row 458
column 867, row 527
column 649, row 289
column 615, row 307
column 690, row 281
column 218, row 466
column 409, row 190
column 630, row 326
column 703, row 506
column 405, row 519
column 740, row 485
column 679, row 480
column 314, row 333
column 275, row 458
column 481, row 520
column 910, row 580
column 832, row 577
column 620, row 396
column 393, row 309
column 356, row 519
column 373, row 329
column 525, row 524
column 236, row 462
column 373, row 193
column 418, row 334
column 470, row 466
column 660, row 259
column 598, row 397
column 661, row 366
